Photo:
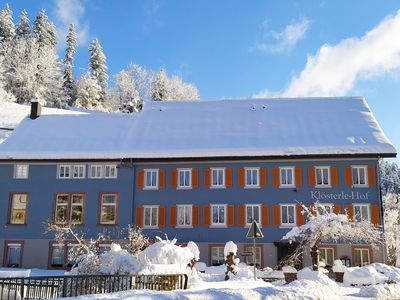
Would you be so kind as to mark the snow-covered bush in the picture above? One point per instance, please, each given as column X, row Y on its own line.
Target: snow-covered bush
column 363, row 275
column 231, row 261
column 118, row 261
column 86, row 264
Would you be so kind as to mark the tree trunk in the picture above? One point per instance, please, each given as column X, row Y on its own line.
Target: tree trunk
column 315, row 257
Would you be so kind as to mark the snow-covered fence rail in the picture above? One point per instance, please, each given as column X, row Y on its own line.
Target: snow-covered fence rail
column 71, row 286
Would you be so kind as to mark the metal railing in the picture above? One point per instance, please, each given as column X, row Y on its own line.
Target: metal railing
column 70, row 286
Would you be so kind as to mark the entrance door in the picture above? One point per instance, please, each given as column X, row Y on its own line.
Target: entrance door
column 285, row 250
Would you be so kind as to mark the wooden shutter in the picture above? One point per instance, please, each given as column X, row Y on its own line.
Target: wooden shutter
column 161, row 216
column 311, row 177
column 207, row 177
column 336, row 208
column 139, row 216
column 140, row 179
column 263, row 177
column 231, row 215
column 228, row 177
column 375, row 214
column 241, row 215
column 174, row 178
column 275, row 177
column 298, row 178
column 276, row 215
column 334, row 176
column 348, row 180
column 241, row 177
column 264, row 215
column 207, row 215
column 161, row 178
column 371, row 176
column 195, row 178
column 299, row 215
column 195, row 215
column 349, row 211
column 172, row 215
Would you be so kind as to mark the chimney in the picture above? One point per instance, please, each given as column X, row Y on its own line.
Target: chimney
column 36, row 110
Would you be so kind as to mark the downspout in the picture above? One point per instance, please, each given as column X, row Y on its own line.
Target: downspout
column 382, row 214
column 133, row 194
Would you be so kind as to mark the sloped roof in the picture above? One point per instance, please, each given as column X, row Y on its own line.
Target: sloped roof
column 223, row 128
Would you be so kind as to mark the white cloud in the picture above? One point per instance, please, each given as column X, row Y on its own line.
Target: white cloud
column 283, row 41
column 67, row 12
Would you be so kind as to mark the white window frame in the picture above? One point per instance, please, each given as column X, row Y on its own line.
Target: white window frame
column 52, row 264
column 97, row 168
column 287, row 185
column 361, row 205
column 249, row 259
column 151, row 187
column 151, row 207
column 21, row 174
column 324, row 205
column 218, row 186
column 246, row 185
column 361, row 255
column 110, row 167
column 79, row 168
column 220, row 249
column 103, row 245
column 294, row 217
column 324, row 249
column 321, row 169
column 252, row 211
column 180, row 186
column 358, row 167
column 184, row 207
column 109, row 204
column 69, row 171
column 225, row 215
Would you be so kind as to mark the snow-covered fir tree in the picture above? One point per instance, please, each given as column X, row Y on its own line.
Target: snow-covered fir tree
column 69, row 82
column 124, row 96
column 6, row 30
column 44, row 30
column 159, row 89
column 178, row 90
column 88, row 93
column 23, row 29
column 389, row 177
column 98, row 67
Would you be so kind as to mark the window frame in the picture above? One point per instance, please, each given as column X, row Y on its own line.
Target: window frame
column 294, row 214
column 252, row 186
column 322, row 185
column 324, row 248
column 287, row 185
column 10, row 208
column 151, row 207
column 115, row 171
column 151, row 187
column 24, row 175
column 83, row 171
column 218, row 186
column 361, row 205
column 220, row 250
column 212, row 224
column 358, row 167
column 259, row 213
column 69, row 207
column 324, row 205
column 361, row 248
column 249, row 259
column 101, row 205
column 184, row 206
column 184, row 187
column 59, row 171
column 7, row 244
column 90, row 175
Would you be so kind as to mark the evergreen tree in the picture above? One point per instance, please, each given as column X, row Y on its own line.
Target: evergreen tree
column 88, row 93
column 124, row 96
column 159, row 89
column 6, row 30
column 23, row 30
column 98, row 68
column 44, row 30
column 69, row 81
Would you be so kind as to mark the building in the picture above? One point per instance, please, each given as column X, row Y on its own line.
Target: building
column 197, row 171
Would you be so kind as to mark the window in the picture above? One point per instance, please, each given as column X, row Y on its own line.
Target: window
column 18, row 208
column 184, row 215
column 361, row 212
column 288, row 214
column 13, row 255
column 72, row 254
column 103, row 248
column 249, row 259
column 103, row 171
column 218, row 177
column 359, row 175
column 57, row 255
column 361, row 257
column 322, row 176
column 324, row 208
column 64, row 171
column 69, row 208
column 252, row 177
column 150, row 216
column 218, row 215
column 21, row 171
column 110, row 171
column 252, row 213
column 217, row 256
column 286, row 176
column 96, row 171
column 151, row 179
column 184, row 178
column 79, row 171
column 327, row 255
column 108, row 210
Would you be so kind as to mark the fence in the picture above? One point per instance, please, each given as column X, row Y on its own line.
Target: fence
column 71, row 286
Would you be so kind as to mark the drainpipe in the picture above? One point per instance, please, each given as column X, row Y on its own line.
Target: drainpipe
column 378, row 176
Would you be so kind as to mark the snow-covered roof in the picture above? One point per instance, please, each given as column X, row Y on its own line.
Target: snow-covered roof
column 223, row 128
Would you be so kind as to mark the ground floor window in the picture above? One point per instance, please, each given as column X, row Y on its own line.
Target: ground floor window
column 57, row 255
column 249, row 259
column 13, row 254
column 103, row 248
column 362, row 256
column 327, row 255
column 217, row 256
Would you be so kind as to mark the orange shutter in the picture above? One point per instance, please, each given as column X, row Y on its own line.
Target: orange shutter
column 174, row 178
column 231, row 215
column 195, row 178
column 311, row 177
column 276, row 215
column 336, row 208
column 371, row 176
column 207, row 177
column 228, row 177
column 172, row 215
column 241, row 177
column 299, row 215
column 139, row 216
column 375, row 214
column 207, row 215
column 140, row 179
column 161, row 216
column 241, row 215
column 264, row 215
column 349, row 211
column 348, row 180
column 334, row 176
column 195, row 215
column 275, row 178
column 263, row 177
column 161, row 178
column 298, row 177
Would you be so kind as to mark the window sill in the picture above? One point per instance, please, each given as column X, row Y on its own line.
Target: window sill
column 287, row 226
column 150, row 227
column 360, row 186
column 323, row 186
column 287, row 186
column 182, row 188
column 250, row 187
column 183, row 226
column 218, row 226
column 16, row 224
column 218, row 187
column 150, row 188
column 107, row 224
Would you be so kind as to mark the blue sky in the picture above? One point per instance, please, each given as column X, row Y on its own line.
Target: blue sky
column 233, row 49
